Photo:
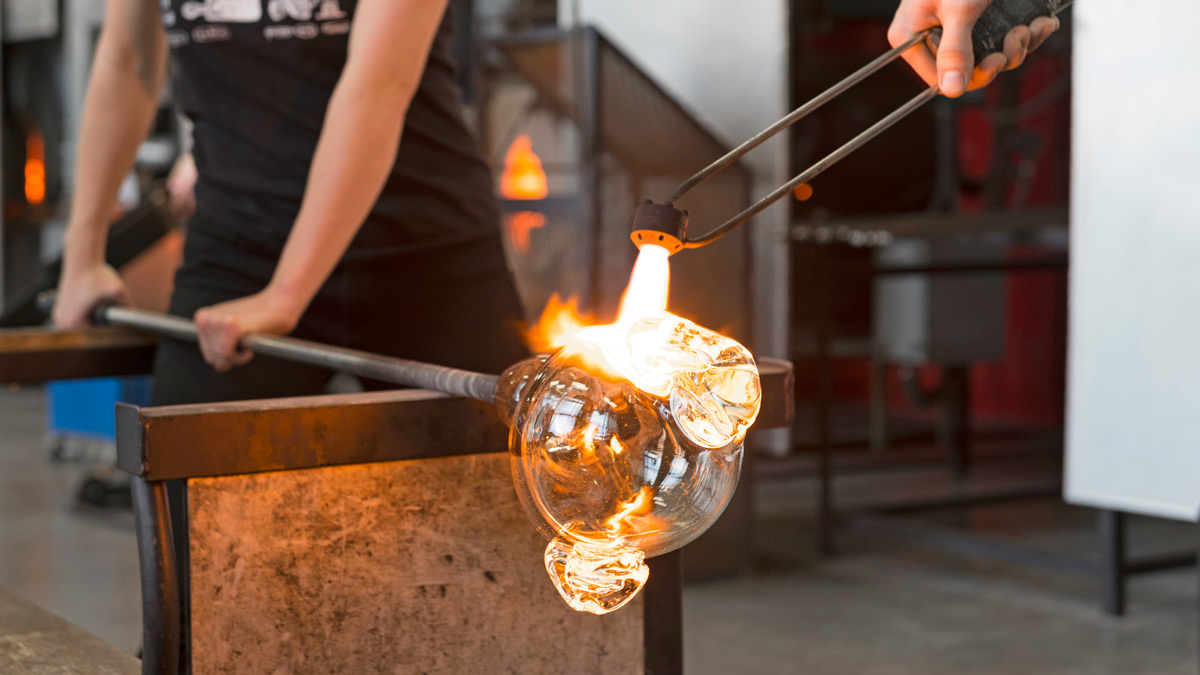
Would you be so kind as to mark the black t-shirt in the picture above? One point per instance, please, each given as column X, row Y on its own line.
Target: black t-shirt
column 256, row 76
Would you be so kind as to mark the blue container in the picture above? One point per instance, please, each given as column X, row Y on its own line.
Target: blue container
column 84, row 408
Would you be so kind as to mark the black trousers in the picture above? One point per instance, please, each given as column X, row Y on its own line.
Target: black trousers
column 454, row 306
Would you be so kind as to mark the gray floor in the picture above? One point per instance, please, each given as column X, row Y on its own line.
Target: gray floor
column 883, row 606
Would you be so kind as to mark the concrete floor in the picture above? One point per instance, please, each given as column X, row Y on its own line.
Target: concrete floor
column 883, row 606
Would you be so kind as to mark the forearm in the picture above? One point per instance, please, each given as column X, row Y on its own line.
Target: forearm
column 353, row 158
column 121, row 101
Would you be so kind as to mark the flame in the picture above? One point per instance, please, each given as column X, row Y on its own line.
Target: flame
column 519, row 225
column 640, row 505
column 649, row 284
column 35, row 168
column 560, row 320
column 523, row 176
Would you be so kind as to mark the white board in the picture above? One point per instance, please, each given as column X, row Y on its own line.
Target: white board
column 1133, row 399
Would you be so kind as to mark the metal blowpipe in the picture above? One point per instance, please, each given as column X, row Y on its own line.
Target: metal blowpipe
column 666, row 226
column 363, row 364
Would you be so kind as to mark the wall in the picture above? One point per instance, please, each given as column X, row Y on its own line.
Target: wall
column 1134, row 350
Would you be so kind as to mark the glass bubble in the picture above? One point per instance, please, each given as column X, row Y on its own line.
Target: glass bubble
column 627, row 444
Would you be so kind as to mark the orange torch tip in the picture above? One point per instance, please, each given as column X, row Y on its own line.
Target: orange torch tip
column 659, row 224
column 645, row 237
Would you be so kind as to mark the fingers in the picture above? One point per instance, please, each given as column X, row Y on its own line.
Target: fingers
column 904, row 26
column 950, row 64
column 219, row 335
column 955, row 55
column 921, row 60
column 988, row 69
column 1016, row 46
column 80, row 292
column 1041, row 28
column 66, row 317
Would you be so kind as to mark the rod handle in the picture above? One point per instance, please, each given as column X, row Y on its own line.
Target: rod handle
column 1000, row 17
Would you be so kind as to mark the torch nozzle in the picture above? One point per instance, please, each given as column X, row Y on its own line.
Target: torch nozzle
column 659, row 224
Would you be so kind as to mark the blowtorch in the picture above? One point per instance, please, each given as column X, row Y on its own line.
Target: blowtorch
column 666, row 226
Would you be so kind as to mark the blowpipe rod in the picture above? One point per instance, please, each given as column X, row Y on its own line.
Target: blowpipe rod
column 363, row 364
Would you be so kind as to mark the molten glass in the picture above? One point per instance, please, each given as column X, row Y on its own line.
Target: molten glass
column 627, row 442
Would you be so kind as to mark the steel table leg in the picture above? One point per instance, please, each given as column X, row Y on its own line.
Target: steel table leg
column 1112, row 564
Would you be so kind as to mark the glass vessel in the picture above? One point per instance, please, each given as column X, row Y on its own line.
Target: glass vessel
column 627, row 444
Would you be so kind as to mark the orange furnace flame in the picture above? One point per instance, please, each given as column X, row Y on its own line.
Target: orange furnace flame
column 523, row 176
column 35, row 168
column 523, row 179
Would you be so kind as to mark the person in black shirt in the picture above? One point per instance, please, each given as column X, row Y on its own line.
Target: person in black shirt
column 340, row 197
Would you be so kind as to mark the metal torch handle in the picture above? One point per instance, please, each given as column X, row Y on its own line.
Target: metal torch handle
column 988, row 36
column 363, row 364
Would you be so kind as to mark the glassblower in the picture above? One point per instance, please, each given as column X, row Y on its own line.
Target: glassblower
column 627, row 441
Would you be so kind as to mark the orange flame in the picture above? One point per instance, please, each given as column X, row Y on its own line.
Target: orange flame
column 646, row 295
column 640, row 505
column 35, row 168
column 560, row 319
column 523, row 176
column 520, row 224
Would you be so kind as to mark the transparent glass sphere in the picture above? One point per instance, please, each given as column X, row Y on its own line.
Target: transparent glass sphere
column 627, row 444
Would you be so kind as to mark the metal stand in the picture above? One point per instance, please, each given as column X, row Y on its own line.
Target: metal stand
column 826, row 516
column 955, row 429
column 1112, row 561
column 160, row 583
column 956, row 418
column 1116, row 568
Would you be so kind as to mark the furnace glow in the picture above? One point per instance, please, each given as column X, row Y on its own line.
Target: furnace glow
column 523, row 179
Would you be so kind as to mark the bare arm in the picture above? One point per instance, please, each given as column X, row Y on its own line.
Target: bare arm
column 127, row 74
column 389, row 44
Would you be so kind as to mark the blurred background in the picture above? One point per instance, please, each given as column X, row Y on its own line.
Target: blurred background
column 937, row 506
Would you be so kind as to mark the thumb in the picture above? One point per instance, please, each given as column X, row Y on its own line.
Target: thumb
column 955, row 56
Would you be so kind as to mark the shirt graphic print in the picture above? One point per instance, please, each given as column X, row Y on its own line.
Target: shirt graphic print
column 317, row 17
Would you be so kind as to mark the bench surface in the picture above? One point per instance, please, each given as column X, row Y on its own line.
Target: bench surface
column 33, row 640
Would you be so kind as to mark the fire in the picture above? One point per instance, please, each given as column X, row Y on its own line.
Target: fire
column 640, row 505
column 560, row 319
column 520, row 224
column 35, row 168
column 649, row 284
column 523, row 178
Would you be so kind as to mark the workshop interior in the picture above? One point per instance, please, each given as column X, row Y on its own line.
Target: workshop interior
column 827, row 372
